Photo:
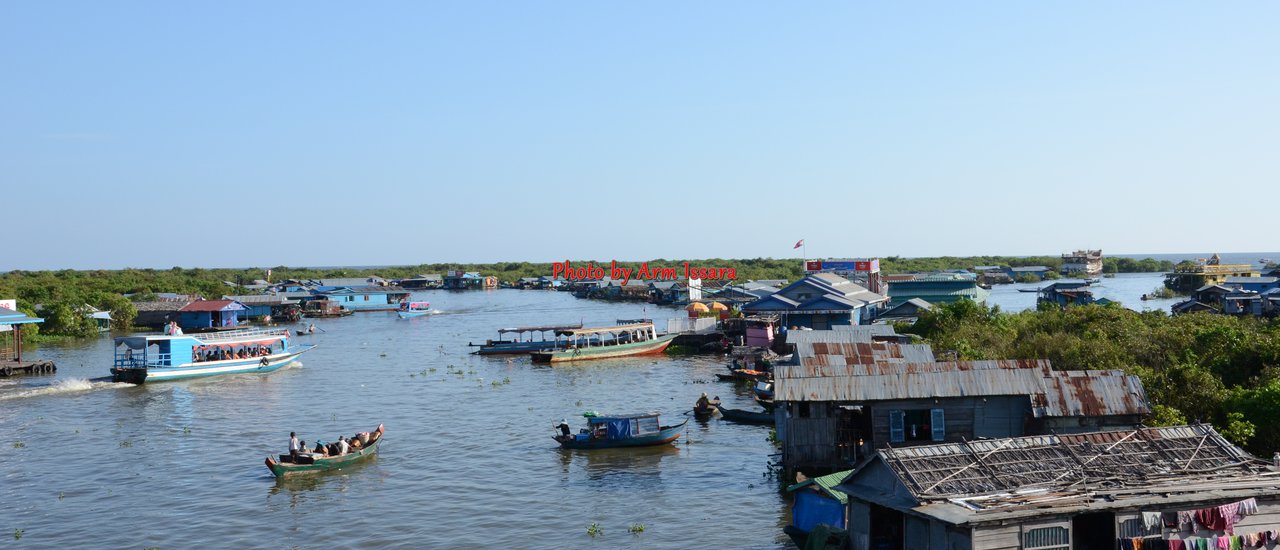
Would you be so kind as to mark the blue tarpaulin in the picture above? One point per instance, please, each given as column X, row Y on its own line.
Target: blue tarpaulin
column 812, row 508
column 620, row 428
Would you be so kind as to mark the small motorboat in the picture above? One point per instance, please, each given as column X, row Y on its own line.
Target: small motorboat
column 744, row 375
column 413, row 309
column 628, row 430
column 306, row 463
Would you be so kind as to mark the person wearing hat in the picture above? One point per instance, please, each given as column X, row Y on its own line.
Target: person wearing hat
column 564, row 427
column 703, row 403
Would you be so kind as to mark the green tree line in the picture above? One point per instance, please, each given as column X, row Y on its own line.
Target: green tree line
column 1220, row 369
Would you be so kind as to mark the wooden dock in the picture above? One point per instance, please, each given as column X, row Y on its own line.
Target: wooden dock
column 15, row 368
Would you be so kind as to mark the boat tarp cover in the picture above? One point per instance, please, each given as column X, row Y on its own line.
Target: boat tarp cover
column 619, row 428
column 134, row 342
column 813, row 508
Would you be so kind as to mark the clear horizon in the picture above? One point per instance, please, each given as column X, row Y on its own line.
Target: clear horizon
column 154, row 134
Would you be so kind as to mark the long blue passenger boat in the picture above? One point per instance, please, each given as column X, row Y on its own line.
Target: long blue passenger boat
column 628, row 430
column 161, row 357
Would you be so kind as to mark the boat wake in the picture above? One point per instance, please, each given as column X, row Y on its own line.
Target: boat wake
column 66, row 386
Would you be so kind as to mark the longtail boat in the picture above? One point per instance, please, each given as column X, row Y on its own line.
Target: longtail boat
column 311, row 462
column 744, row 416
column 521, row 340
column 744, row 375
column 628, row 430
column 601, row 343
column 155, row 358
column 413, row 309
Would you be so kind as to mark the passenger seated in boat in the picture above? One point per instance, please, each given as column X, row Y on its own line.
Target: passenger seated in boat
column 703, row 403
column 355, row 444
column 343, row 446
column 321, row 449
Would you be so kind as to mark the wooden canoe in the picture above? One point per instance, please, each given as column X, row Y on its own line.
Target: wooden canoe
column 314, row 463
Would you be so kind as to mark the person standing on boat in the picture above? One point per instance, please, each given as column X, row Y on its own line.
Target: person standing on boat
column 311, row 329
column 564, row 427
column 294, row 446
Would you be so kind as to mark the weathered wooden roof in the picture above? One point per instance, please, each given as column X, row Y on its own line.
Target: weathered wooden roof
column 962, row 481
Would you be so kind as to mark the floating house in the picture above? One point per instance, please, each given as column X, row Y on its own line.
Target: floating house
column 1206, row 272
column 264, row 305
column 210, row 314
column 746, row 293
column 1182, row 487
column 1068, row 293
column 369, row 298
column 423, row 282
column 1252, row 284
column 817, row 505
column 837, row 402
column 468, row 280
column 158, row 313
column 1082, row 263
column 936, row 288
column 820, row 301
column 905, row 312
column 1037, row 271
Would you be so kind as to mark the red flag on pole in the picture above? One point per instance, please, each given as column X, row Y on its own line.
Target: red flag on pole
column 799, row 244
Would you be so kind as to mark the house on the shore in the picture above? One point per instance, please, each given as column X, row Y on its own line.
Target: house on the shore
column 210, row 314
column 1182, row 487
column 905, row 312
column 1037, row 271
column 938, row 288
column 1206, row 272
column 1068, row 293
column 820, row 301
column 259, row 306
column 835, row 402
column 423, row 282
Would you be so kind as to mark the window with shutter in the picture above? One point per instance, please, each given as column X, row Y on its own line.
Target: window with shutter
column 896, row 423
column 938, row 425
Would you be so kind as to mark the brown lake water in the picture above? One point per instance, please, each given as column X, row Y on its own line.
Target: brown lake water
column 465, row 461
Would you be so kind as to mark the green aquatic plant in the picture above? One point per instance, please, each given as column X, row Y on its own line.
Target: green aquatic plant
column 636, row 528
column 17, row 534
column 19, row 444
column 186, row 430
column 126, row 443
column 595, row 530
column 59, row 495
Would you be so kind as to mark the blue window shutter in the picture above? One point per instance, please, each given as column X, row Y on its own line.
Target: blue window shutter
column 939, row 425
column 896, row 421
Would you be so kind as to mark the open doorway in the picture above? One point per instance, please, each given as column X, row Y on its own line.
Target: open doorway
column 886, row 528
column 1095, row 531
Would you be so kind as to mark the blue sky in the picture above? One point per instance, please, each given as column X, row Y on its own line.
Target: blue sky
column 155, row 134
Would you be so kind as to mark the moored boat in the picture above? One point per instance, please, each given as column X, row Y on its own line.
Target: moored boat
column 744, row 375
column 745, row 416
column 628, row 430
column 160, row 357
column 305, row 462
column 605, row 342
column 413, row 309
column 325, row 308
column 522, row 340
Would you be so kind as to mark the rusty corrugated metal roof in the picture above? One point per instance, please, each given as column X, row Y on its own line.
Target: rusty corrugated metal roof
column 1052, row 393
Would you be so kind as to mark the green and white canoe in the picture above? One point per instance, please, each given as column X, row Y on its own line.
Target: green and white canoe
column 311, row 463
column 602, row 343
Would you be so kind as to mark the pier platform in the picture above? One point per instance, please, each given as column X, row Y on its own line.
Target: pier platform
column 15, row 368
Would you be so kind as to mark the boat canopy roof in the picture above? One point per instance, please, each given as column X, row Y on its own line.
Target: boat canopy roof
column 539, row 329
column 419, row 304
column 599, row 330
column 604, row 419
column 225, row 338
